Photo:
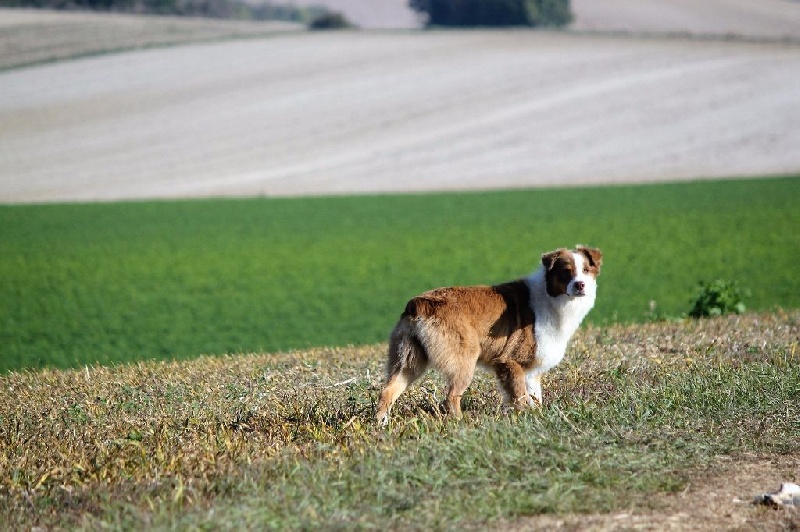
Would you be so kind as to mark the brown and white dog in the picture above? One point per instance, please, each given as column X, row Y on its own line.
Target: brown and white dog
column 519, row 329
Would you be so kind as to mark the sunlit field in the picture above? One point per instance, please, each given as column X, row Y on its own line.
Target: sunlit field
column 109, row 283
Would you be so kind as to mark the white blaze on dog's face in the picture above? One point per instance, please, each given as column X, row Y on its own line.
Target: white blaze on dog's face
column 572, row 273
column 583, row 283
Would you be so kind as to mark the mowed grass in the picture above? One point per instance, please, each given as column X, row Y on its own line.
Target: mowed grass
column 288, row 440
column 111, row 283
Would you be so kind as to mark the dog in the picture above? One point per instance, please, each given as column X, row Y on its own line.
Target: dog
column 518, row 329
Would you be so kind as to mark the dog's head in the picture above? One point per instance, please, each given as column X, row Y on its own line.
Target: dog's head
column 572, row 272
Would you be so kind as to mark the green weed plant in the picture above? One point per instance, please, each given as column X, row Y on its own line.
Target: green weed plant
column 718, row 297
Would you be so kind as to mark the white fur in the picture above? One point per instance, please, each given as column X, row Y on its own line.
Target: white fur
column 556, row 320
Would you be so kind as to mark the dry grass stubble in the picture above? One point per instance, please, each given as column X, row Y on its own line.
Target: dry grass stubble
column 187, row 435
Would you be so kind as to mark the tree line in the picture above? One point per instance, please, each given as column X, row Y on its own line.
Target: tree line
column 488, row 13
column 493, row 13
column 226, row 9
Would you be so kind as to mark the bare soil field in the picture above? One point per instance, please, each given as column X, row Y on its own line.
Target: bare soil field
column 381, row 112
column 763, row 18
column 37, row 36
column 719, row 498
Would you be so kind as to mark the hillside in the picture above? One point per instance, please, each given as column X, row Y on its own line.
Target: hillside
column 762, row 18
column 38, row 36
column 666, row 423
column 382, row 112
column 675, row 424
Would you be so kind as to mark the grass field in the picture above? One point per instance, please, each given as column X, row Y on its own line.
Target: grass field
column 110, row 283
column 664, row 424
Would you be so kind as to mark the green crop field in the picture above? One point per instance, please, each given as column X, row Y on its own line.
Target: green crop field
column 110, row 283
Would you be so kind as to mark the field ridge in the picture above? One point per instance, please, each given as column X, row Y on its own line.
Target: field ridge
column 289, row 440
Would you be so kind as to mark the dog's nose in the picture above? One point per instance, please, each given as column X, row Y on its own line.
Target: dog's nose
column 579, row 286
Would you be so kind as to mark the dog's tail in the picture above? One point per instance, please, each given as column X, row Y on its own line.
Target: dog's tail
column 407, row 360
column 405, row 349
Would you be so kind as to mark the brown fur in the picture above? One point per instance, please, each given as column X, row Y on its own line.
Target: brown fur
column 491, row 325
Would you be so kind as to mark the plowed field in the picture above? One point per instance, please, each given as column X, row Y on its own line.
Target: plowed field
column 352, row 112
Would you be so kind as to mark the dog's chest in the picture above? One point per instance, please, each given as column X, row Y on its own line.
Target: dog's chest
column 554, row 325
column 551, row 344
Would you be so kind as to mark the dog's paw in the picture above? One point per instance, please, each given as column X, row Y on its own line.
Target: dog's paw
column 528, row 401
column 383, row 419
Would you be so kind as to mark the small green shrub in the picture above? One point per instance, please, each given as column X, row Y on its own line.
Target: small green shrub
column 330, row 21
column 718, row 297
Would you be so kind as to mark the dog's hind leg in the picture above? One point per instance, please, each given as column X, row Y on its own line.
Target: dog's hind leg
column 406, row 362
column 458, row 373
column 456, row 387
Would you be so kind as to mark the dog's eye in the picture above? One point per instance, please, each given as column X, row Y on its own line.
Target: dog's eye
column 585, row 269
column 565, row 276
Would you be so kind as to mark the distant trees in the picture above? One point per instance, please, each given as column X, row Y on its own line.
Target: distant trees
column 231, row 9
column 330, row 21
column 537, row 13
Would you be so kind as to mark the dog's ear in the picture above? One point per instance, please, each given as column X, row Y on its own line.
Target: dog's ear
column 549, row 259
column 594, row 256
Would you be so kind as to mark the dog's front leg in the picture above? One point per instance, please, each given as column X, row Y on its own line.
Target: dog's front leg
column 533, row 384
column 512, row 382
